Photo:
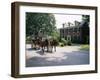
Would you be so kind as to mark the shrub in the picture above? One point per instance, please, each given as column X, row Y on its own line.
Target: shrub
column 63, row 41
column 28, row 40
column 69, row 43
column 61, row 44
column 56, row 41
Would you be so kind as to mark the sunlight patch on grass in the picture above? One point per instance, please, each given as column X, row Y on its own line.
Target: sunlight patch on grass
column 85, row 47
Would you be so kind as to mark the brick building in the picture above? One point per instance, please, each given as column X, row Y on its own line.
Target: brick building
column 77, row 32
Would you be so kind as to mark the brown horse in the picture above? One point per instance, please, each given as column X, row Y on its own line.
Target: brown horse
column 36, row 43
column 49, row 44
column 53, row 44
column 44, row 44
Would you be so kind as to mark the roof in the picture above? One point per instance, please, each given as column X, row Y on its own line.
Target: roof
column 82, row 24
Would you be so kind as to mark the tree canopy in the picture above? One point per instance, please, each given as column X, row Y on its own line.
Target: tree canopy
column 40, row 24
column 86, row 18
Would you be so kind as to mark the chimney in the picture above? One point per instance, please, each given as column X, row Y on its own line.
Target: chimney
column 63, row 25
column 69, row 24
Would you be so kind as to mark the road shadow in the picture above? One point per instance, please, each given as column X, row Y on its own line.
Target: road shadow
column 40, row 52
column 68, row 58
column 31, row 49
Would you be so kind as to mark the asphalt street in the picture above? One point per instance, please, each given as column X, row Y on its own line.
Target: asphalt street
column 68, row 55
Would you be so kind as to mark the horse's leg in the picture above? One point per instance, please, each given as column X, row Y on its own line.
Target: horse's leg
column 42, row 49
column 34, row 46
column 47, row 48
column 38, row 46
column 31, row 45
column 51, row 49
column 55, row 48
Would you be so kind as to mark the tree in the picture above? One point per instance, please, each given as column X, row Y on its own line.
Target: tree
column 85, row 28
column 86, row 18
column 40, row 23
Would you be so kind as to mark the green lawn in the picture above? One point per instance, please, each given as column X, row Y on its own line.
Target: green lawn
column 84, row 47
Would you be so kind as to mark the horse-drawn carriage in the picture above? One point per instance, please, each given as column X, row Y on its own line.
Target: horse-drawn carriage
column 44, row 44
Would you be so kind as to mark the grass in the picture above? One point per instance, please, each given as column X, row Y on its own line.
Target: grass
column 85, row 47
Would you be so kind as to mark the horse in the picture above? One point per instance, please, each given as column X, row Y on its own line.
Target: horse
column 44, row 44
column 36, row 43
column 53, row 44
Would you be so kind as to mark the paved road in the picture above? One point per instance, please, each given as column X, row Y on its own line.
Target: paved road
column 69, row 55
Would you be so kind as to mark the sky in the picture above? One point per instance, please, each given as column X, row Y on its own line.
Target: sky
column 62, row 18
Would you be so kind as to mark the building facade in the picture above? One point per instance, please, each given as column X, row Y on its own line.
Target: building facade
column 77, row 32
